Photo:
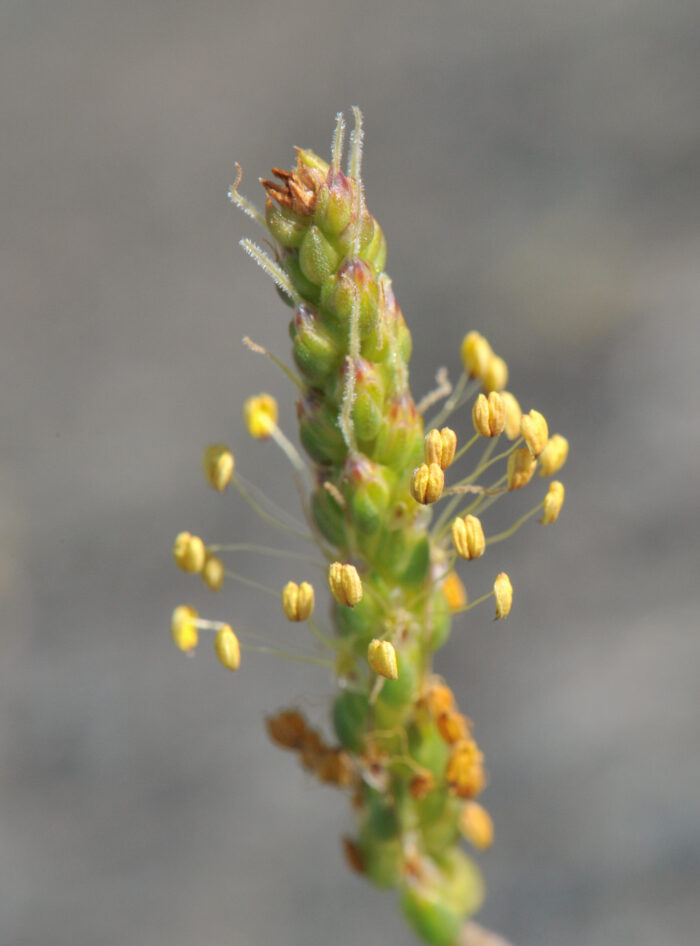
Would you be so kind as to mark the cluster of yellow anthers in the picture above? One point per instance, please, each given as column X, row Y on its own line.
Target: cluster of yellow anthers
column 492, row 415
column 390, row 521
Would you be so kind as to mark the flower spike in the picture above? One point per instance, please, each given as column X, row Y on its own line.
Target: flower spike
column 402, row 748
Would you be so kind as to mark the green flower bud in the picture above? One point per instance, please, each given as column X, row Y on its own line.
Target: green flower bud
column 404, row 689
column 330, row 518
column 382, row 820
column 464, row 886
column 346, row 239
column 374, row 248
column 404, row 339
column 284, row 225
column 314, row 351
column 350, row 712
column 392, row 552
column 379, row 261
column 439, row 621
column 376, row 348
column 338, row 292
column 428, row 748
column 418, row 563
column 368, row 400
column 359, row 622
column 309, row 159
column 319, row 431
column 400, row 438
column 306, row 289
column 392, row 325
column 367, row 489
column 317, row 258
column 443, row 831
column 382, row 860
column 430, row 809
column 433, row 919
column 334, row 204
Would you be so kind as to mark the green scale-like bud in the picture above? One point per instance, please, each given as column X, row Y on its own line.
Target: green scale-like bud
column 360, row 428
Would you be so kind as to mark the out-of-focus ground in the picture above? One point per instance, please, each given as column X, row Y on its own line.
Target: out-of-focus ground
column 535, row 167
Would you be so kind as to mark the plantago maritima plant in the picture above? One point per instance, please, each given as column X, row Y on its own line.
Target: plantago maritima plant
column 392, row 520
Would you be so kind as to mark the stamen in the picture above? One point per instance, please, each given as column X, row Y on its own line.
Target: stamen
column 470, row 488
column 277, row 517
column 462, row 450
column 289, row 450
column 300, row 658
column 485, row 462
column 253, row 346
column 204, row 625
column 506, row 534
column 473, row 604
column 266, row 550
column 244, row 580
column 322, row 638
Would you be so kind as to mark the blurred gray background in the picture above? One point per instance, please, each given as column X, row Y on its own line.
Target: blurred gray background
column 536, row 169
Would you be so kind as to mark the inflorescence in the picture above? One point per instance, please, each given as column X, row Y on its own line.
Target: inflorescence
column 391, row 519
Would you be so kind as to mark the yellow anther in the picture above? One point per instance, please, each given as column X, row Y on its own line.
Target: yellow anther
column 345, row 584
column 503, row 593
column 453, row 727
column 227, row 648
column 535, row 432
column 513, row 415
column 554, row 455
column 489, row 414
column 440, row 447
column 454, row 591
column 433, row 446
column 553, row 502
column 260, row 415
column 468, row 537
column 218, row 465
column 213, row 573
column 381, row 656
column 183, row 627
column 496, row 375
column 189, row 553
column 476, row 826
column 439, row 699
column 465, row 769
column 427, row 483
column 298, row 601
column 521, row 468
column 476, row 354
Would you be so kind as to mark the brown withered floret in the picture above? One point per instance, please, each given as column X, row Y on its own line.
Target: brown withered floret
column 287, row 729
column 353, row 855
column 422, row 785
column 335, row 767
column 297, row 191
